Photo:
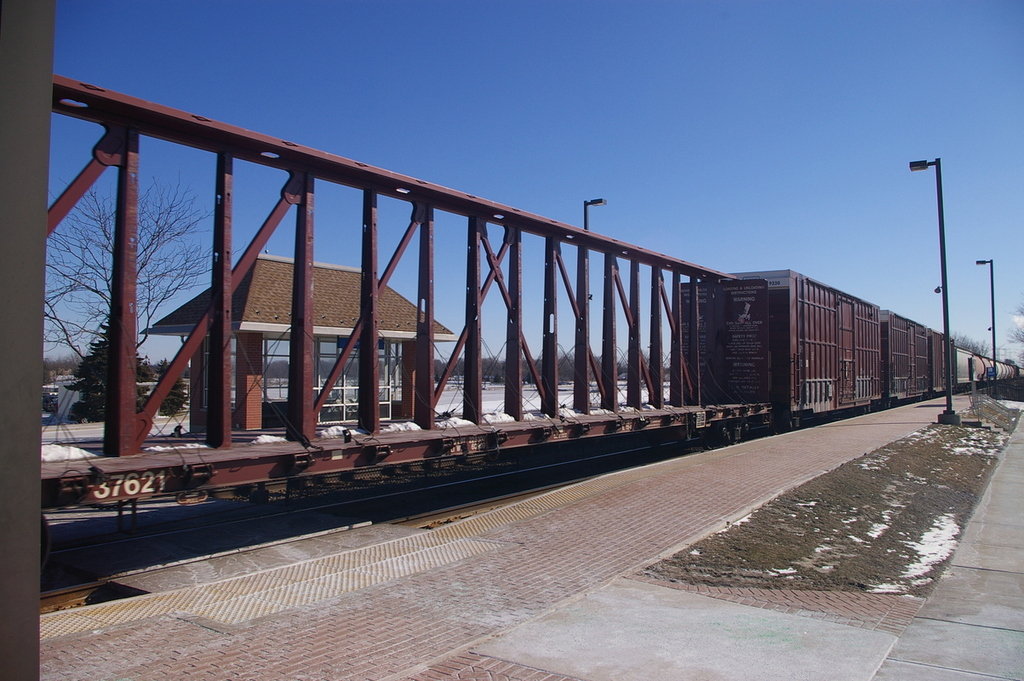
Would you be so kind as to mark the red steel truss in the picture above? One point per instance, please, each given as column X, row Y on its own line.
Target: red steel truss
column 125, row 118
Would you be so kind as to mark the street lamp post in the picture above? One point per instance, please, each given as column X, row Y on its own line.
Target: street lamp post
column 948, row 417
column 992, row 297
column 581, row 373
column 586, row 211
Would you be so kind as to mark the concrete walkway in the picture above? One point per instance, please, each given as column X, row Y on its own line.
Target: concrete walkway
column 972, row 626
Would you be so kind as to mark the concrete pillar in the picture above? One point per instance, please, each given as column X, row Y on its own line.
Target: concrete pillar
column 26, row 49
column 408, row 390
column 197, row 389
column 248, row 413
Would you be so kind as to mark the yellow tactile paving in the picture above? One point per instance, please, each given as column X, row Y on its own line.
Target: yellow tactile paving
column 241, row 599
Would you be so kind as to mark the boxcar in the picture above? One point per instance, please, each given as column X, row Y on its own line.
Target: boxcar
column 905, row 358
column 825, row 347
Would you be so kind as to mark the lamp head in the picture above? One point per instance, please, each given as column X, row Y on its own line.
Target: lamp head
column 595, row 202
column 982, row 262
column 919, row 165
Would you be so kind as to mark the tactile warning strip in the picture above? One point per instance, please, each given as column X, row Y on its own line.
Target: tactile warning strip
column 240, row 599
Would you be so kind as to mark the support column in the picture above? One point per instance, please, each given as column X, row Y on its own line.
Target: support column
column 369, row 357
column 656, row 398
column 301, row 417
column 609, row 363
column 218, row 417
column 581, row 354
column 26, row 51
column 119, row 428
column 676, row 397
column 549, row 350
column 248, row 414
column 197, row 411
column 633, row 397
column 514, row 328
column 696, row 395
column 423, row 410
column 472, row 390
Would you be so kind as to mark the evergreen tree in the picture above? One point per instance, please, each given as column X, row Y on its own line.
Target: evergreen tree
column 92, row 380
column 176, row 398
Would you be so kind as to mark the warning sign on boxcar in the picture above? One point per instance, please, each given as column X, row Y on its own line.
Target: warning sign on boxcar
column 733, row 340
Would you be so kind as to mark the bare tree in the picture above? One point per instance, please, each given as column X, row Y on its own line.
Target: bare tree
column 964, row 341
column 1017, row 334
column 79, row 256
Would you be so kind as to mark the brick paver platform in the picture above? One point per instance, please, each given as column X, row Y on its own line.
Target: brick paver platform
column 884, row 612
column 394, row 629
column 474, row 667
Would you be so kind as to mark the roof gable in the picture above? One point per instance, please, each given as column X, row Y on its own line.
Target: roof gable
column 264, row 296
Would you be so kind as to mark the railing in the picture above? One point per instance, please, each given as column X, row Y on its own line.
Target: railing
column 487, row 266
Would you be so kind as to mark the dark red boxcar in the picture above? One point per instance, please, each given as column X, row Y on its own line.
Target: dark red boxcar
column 825, row 346
column 905, row 358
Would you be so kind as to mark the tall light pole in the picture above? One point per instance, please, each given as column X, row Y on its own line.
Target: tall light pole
column 992, row 297
column 581, row 373
column 949, row 416
column 586, row 211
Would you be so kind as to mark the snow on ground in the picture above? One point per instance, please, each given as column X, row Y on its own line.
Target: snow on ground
column 1019, row 406
column 53, row 453
column 935, row 546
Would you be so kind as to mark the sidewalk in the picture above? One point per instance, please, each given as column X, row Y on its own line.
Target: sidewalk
column 539, row 590
column 972, row 626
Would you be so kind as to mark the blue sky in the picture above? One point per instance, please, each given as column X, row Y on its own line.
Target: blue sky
column 739, row 135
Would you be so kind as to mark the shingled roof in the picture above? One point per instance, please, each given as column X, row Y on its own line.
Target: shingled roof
column 263, row 302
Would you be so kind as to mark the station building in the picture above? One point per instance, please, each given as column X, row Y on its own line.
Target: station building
column 261, row 322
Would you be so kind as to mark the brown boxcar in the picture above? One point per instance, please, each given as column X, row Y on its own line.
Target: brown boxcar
column 825, row 347
column 905, row 358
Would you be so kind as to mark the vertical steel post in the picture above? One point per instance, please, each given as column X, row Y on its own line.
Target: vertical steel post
column 301, row 417
column 581, row 354
column 369, row 357
column 696, row 395
column 218, row 364
column 514, row 328
column 609, row 361
column 656, row 398
column 119, row 428
column 676, row 397
column 633, row 397
column 472, row 389
column 549, row 351
column 423, row 409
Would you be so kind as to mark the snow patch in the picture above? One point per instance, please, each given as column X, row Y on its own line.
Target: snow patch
column 267, row 439
column 935, row 546
column 172, row 448
column 399, row 426
column 497, row 417
column 54, row 453
column 454, row 422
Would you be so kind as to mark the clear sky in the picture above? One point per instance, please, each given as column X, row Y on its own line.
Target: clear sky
column 739, row 135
